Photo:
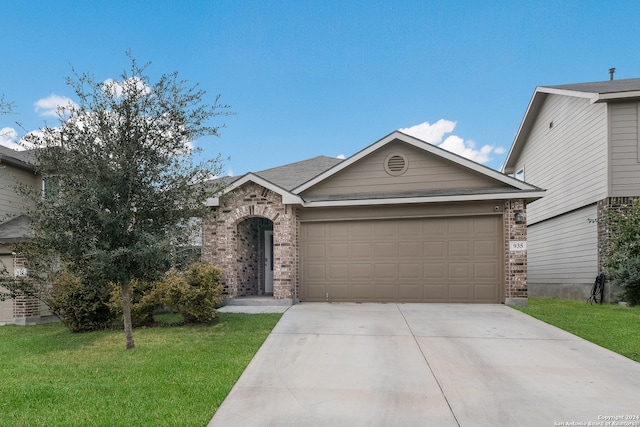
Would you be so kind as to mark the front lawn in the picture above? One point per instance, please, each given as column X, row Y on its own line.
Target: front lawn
column 176, row 376
column 608, row 325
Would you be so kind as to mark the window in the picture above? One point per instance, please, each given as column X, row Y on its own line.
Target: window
column 520, row 174
column 50, row 187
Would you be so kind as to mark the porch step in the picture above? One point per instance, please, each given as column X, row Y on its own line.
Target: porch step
column 258, row 301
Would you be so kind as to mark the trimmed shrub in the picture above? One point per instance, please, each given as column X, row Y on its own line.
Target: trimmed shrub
column 143, row 301
column 81, row 306
column 194, row 293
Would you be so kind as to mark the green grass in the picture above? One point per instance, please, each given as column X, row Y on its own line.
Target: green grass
column 176, row 376
column 609, row 325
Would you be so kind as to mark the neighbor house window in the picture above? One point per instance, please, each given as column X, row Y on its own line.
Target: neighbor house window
column 520, row 174
column 50, row 187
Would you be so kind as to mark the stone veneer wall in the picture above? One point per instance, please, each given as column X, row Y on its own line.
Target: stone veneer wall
column 515, row 281
column 222, row 244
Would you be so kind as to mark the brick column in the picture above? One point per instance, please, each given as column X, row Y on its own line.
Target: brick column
column 515, row 281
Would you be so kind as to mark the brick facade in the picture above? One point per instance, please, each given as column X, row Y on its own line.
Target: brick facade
column 515, row 268
column 233, row 238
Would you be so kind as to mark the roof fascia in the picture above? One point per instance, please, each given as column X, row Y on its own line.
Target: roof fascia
column 422, row 145
column 287, row 197
column 528, row 195
column 604, row 97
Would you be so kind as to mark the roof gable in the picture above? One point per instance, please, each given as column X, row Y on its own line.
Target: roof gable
column 595, row 92
column 433, row 155
column 472, row 181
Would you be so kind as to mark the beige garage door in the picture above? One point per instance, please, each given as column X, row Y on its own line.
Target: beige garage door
column 454, row 259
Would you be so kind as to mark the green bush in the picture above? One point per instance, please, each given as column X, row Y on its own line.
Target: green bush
column 627, row 274
column 143, row 301
column 194, row 293
column 623, row 248
column 81, row 306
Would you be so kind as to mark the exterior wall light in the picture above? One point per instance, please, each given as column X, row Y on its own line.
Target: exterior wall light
column 519, row 217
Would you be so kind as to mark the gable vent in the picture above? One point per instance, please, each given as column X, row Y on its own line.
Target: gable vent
column 396, row 164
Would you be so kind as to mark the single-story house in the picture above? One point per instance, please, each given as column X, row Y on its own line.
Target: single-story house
column 400, row 221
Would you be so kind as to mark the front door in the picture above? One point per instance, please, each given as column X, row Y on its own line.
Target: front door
column 268, row 262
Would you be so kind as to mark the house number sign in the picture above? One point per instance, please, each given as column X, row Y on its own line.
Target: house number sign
column 517, row 245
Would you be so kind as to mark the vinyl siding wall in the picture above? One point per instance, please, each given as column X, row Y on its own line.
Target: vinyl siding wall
column 625, row 154
column 563, row 255
column 567, row 158
column 425, row 172
column 10, row 203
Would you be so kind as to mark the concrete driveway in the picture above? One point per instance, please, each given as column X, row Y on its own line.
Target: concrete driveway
column 428, row 365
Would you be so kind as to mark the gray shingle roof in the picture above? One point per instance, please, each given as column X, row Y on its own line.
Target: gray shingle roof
column 291, row 175
column 15, row 230
column 609, row 86
column 23, row 159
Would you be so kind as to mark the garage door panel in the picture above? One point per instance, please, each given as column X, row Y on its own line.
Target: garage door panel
column 360, row 271
column 361, row 250
column 435, row 292
column 361, row 291
column 460, row 270
column 435, row 249
column 338, row 272
column 460, row 292
column 485, row 248
column 336, row 229
column 316, row 272
column 385, row 249
column 412, row 271
column 434, row 227
column 385, row 270
column 359, row 229
column 435, row 270
column 339, row 291
column 485, row 293
column 315, row 251
column 459, row 248
column 411, row 292
column 454, row 259
column 410, row 249
column 338, row 251
column 386, row 291
column 485, row 270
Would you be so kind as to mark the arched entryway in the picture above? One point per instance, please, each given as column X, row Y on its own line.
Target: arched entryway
column 255, row 265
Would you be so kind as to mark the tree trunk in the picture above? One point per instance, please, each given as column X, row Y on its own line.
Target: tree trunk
column 126, row 314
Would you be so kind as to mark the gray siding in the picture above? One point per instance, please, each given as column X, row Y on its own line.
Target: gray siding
column 425, row 172
column 10, row 203
column 563, row 255
column 625, row 156
column 569, row 158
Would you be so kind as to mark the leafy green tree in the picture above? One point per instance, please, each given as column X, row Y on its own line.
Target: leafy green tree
column 623, row 248
column 121, row 178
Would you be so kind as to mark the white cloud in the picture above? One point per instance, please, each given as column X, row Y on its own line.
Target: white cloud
column 431, row 133
column 49, row 106
column 133, row 83
column 340, row 156
column 230, row 172
column 9, row 138
column 434, row 134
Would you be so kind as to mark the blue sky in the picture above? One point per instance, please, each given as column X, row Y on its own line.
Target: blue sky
column 308, row 78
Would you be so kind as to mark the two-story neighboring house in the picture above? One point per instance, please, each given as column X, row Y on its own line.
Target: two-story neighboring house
column 15, row 168
column 581, row 143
